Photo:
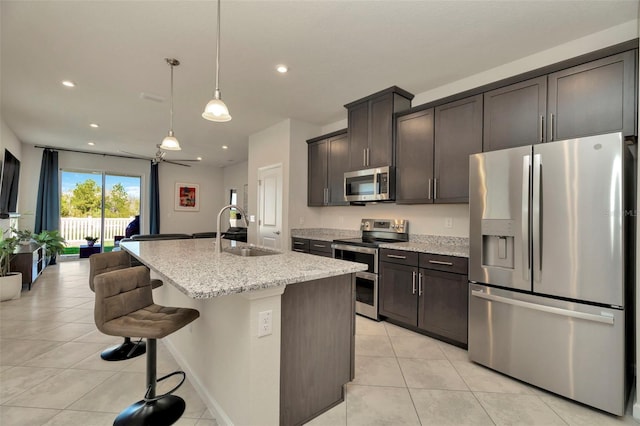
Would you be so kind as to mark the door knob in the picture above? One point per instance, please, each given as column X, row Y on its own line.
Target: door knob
column 276, row 232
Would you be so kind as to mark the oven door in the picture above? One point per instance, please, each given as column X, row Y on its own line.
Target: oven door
column 366, row 282
column 366, row 255
column 367, row 295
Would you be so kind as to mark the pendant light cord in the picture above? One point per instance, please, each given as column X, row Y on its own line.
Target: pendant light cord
column 171, row 105
column 218, row 52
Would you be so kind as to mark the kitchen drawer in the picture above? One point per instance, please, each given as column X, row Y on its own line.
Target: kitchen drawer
column 399, row 256
column 320, row 247
column 457, row 265
column 300, row 244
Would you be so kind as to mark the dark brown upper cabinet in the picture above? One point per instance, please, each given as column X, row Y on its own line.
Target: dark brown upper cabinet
column 593, row 98
column 414, row 158
column 433, row 148
column 371, row 127
column 458, row 134
column 328, row 160
column 515, row 115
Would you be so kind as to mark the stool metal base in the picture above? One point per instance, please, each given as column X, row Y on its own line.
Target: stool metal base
column 126, row 350
column 163, row 412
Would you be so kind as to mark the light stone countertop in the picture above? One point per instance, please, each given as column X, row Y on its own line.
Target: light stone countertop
column 431, row 248
column 195, row 269
column 433, row 244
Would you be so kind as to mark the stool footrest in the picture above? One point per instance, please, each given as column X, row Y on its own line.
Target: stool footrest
column 146, row 395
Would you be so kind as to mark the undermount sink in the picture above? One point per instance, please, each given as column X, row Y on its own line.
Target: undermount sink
column 249, row 251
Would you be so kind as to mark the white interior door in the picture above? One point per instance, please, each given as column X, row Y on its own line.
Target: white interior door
column 270, row 206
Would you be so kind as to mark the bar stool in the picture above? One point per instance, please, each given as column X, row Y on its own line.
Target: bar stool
column 124, row 307
column 100, row 263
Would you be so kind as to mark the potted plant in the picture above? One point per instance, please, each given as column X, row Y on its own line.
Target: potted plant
column 53, row 242
column 91, row 240
column 23, row 236
column 10, row 282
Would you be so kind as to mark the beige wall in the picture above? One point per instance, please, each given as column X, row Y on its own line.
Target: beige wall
column 10, row 141
column 210, row 179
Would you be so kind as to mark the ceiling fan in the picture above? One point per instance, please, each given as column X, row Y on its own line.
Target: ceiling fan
column 159, row 158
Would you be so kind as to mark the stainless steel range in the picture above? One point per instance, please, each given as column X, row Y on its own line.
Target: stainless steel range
column 365, row 250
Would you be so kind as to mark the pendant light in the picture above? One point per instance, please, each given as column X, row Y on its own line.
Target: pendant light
column 170, row 142
column 216, row 110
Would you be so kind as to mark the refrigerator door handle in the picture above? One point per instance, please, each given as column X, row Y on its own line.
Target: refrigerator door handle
column 526, row 194
column 605, row 319
column 537, row 217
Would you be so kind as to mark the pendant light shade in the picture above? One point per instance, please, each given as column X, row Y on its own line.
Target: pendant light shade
column 216, row 110
column 170, row 142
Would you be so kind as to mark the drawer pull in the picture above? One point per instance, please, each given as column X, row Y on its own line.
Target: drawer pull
column 300, row 251
column 439, row 262
column 319, row 245
column 395, row 256
column 298, row 243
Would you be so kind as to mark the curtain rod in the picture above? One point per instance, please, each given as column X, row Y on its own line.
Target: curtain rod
column 91, row 152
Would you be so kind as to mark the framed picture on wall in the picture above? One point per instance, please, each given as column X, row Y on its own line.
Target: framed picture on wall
column 187, row 197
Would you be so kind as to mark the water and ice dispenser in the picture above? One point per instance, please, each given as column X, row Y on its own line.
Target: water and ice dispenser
column 498, row 243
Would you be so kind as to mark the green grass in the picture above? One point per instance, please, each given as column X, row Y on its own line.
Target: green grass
column 76, row 250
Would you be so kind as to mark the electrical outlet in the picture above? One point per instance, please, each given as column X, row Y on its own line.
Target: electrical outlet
column 265, row 323
column 448, row 222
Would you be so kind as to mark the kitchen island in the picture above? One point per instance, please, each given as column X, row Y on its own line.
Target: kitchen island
column 274, row 343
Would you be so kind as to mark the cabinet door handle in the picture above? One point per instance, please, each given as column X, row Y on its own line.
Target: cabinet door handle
column 551, row 126
column 368, row 157
column 395, row 256
column 298, row 243
column 364, row 157
column 419, row 284
column 429, row 189
column 326, row 196
column 300, row 251
column 319, row 245
column 414, row 283
column 440, row 262
column 541, row 139
column 435, row 188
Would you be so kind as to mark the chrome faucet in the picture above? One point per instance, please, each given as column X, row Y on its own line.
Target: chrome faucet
column 218, row 235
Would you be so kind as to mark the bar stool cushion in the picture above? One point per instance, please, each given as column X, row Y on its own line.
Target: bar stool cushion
column 100, row 263
column 124, row 306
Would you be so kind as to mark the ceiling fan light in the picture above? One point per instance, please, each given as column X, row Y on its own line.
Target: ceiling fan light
column 170, row 143
column 216, row 110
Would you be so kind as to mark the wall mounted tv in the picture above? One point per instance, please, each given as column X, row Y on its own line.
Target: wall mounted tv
column 9, row 184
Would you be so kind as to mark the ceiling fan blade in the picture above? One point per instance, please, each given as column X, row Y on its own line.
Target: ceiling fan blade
column 142, row 157
column 178, row 164
column 185, row 159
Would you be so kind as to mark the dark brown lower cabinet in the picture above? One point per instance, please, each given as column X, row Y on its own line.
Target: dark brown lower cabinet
column 397, row 292
column 430, row 300
column 443, row 304
column 29, row 259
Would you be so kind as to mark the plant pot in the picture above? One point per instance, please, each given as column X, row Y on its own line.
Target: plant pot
column 10, row 286
column 90, row 243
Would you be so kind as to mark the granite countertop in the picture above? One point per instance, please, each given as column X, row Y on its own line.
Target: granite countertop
column 431, row 248
column 433, row 244
column 198, row 271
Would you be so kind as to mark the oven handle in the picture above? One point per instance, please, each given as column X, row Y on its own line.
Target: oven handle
column 357, row 249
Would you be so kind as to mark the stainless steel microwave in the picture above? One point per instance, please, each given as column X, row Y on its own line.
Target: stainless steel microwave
column 370, row 185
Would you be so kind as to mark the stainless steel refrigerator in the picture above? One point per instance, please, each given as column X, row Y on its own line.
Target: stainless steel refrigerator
column 550, row 231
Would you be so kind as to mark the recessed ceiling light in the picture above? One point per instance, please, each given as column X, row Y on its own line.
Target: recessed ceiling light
column 199, row 158
column 225, row 147
column 282, row 68
column 94, row 125
column 91, row 143
column 68, row 83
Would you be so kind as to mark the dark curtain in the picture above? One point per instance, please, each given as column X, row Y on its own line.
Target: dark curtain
column 48, row 206
column 154, row 214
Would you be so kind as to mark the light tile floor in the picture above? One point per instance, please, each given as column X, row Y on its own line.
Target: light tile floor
column 404, row 378
column 51, row 373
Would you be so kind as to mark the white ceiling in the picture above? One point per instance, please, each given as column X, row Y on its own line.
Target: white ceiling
column 337, row 52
